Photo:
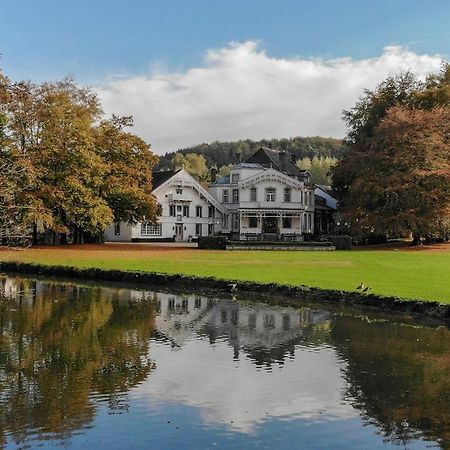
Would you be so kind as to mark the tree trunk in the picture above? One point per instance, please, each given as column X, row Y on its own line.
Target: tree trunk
column 35, row 234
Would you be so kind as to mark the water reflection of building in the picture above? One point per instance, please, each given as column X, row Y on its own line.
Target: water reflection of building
column 255, row 328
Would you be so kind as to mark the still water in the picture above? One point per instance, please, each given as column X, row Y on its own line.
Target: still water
column 88, row 366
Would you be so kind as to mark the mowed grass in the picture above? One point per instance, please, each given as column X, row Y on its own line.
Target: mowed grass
column 414, row 274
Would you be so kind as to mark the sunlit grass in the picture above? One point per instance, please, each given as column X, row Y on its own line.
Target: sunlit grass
column 404, row 273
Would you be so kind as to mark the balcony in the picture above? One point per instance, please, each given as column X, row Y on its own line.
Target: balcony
column 179, row 198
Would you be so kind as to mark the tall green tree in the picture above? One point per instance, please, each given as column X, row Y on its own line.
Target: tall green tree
column 79, row 171
column 395, row 179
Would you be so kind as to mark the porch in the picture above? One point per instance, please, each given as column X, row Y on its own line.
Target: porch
column 271, row 225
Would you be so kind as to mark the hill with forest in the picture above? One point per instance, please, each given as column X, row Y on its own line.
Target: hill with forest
column 221, row 154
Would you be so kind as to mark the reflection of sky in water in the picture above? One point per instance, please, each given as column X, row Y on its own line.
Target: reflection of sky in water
column 241, row 396
column 225, row 374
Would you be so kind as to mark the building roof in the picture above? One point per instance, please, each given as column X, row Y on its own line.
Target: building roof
column 161, row 177
column 278, row 159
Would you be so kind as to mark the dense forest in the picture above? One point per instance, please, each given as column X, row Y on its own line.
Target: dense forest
column 224, row 153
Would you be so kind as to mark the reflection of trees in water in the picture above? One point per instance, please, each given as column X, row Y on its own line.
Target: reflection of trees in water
column 60, row 345
column 399, row 377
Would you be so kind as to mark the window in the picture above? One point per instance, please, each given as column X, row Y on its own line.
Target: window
column 304, row 222
column 210, row 228
column 309, row 222
column 117, row 229
column 301, row 197
column 287, row 195
column 253, row 194
column 150, row 229
column 234, row 177
column 286, row 322
column 224, row 316
column 172, row 212
column 179, row 191
column 211, row 211
column 253, row 222
column 225, row 196
column 186, row 211
column 235, row 221
column 198, row 211
column 198, row 303
column 179, row 208
column 270, row 194
column 235, row 195
column 287, row 222
column 225, row 221
column 269, row 321
column 198, row 229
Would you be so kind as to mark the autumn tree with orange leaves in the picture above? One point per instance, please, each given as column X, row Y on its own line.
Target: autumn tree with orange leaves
column 80, row 171
column 395, row 180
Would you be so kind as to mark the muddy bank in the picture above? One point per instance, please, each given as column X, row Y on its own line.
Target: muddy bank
column 287, row 295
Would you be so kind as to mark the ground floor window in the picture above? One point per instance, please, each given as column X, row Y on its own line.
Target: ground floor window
column 235, row 222
column 225, row 221
column 150, row 229
column 198, row 229
column 117, row 229
column 287, row 222
column 211, row 228
column 253, row 222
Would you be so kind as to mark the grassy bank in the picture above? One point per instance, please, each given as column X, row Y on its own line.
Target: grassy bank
column 421, row 274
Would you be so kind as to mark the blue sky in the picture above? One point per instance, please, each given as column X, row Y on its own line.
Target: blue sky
column 198, row 70
column 41, row 39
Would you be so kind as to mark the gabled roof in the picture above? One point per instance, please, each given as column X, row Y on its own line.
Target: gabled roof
column 185, row 179
column 278, row 159
column 162, row 176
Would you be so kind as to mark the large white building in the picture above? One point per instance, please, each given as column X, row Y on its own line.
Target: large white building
column 267, row 197
column 187, row 211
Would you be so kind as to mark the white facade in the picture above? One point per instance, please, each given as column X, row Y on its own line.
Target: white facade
column 260, row 201
column 187, row 212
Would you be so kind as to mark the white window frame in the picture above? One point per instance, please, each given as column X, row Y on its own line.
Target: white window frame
column 151, row 229
column 235, row 196
column 271, row 195
column 287, row 195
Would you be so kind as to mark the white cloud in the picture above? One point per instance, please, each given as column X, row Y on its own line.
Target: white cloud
column 241, row 92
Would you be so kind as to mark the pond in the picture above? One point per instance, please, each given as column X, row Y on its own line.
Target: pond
column 117, row 367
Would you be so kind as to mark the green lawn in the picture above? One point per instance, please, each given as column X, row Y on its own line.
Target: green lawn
column 411, row 274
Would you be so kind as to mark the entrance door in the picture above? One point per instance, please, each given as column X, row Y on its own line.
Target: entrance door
column 270, row 225
column 178, row 231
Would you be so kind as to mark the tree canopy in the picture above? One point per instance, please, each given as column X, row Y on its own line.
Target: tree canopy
column 79, row 171
column 395, row 179
column 221, row 154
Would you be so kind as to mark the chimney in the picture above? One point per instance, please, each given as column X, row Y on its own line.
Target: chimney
column 283, row 161
column 213, row 172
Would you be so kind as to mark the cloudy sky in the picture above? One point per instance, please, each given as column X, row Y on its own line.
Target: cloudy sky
column 199, row 71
